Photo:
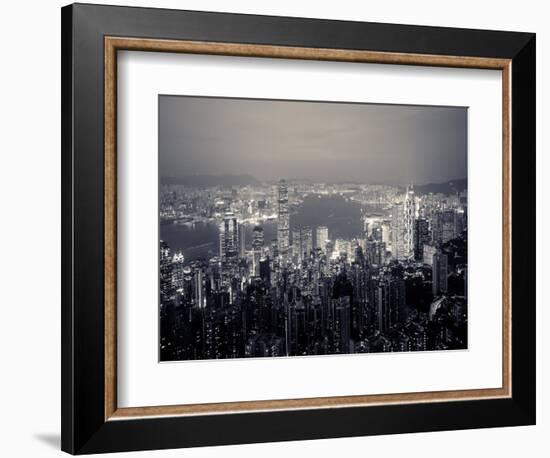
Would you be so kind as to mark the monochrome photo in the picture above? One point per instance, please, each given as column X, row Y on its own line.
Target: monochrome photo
column 297, row 228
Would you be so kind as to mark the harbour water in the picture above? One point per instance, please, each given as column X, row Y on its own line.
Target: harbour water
column 342, row 216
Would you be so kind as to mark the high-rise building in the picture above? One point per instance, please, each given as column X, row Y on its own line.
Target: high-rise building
column 460, row 221
column 166, row 274
column 396, row 231
column 197, row 288
column 283, row 220
column 257, row 238
column 376, row 231
column 356, row 251
column 385, row 227
column 403, row 215
column 439, row 273
column 343, row 247
column 265, row 270
column 242, row 240
column 409, row 209
column 428, row 252
column 375, row 252
column 382, row 305
column 188, row 284
column 321, row 236
column 342, row 325
column 443, row 226
column 229, row 238
column 257, row 248
column 388, row 298
column 306, row 235
column 297, row 244
column 275, row 248
column 177, row 270
column 421, row 237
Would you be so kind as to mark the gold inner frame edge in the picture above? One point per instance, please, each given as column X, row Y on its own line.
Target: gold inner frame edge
column 114, row 44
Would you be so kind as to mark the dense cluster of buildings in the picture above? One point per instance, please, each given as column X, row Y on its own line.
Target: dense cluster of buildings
column 400, row 285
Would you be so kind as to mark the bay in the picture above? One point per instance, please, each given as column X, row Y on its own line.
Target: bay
column 341, row 215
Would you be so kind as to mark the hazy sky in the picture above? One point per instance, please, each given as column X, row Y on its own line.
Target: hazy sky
column 320, row 141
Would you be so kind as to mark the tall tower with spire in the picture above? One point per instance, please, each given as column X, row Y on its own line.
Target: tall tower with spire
column 403, row 215
column 229, row 238
column 283, row 220
column 409, row 207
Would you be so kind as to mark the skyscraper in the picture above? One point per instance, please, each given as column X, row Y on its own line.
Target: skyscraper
column 428, row 254
column 382, row 305
column 409, row 215
column 265, row 270
column 166, row 274
column 443, row 226
column 403, row 215
column 385, row 227
column 198, row 288
column 296, row 244
column 178, row 263
column 343, row 247
column 283, row 220
column 229, row 238
column 396, row 231
column 307, row 241
column 342, row 325
column 439, row 273
column 321, row 236
column 242, row 240
column 366, row 228
column 460, row 221
column 257, row 248
column 388, row 299
column 421, row 237
column 375, row 252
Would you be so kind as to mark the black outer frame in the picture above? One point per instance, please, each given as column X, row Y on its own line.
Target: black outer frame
column 84, row 429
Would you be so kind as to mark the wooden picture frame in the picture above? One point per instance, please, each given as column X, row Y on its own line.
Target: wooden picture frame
column 91, row 419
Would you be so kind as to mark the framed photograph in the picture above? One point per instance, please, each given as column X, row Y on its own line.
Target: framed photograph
column 281, row 228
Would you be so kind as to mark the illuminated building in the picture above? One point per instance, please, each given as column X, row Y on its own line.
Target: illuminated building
column 403, row 215
column 297, row 244
column 257, row 248
column 421, row 237
column 322, row 238
column 283, row 220
column 167, row 290
column 242, row 240
column 306, row 235
column 443, row 226
column 428, row 252
column 229, row 238
column 439, row 273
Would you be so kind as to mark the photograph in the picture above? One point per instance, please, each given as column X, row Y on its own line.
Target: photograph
column 276, row 226
column 305, row 228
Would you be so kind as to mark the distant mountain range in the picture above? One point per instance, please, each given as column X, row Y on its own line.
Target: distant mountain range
column 447, row 187
column 207, row 181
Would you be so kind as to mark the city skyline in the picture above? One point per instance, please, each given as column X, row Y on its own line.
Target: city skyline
column 294, row 267
column 318, row 141
column 398, row 286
